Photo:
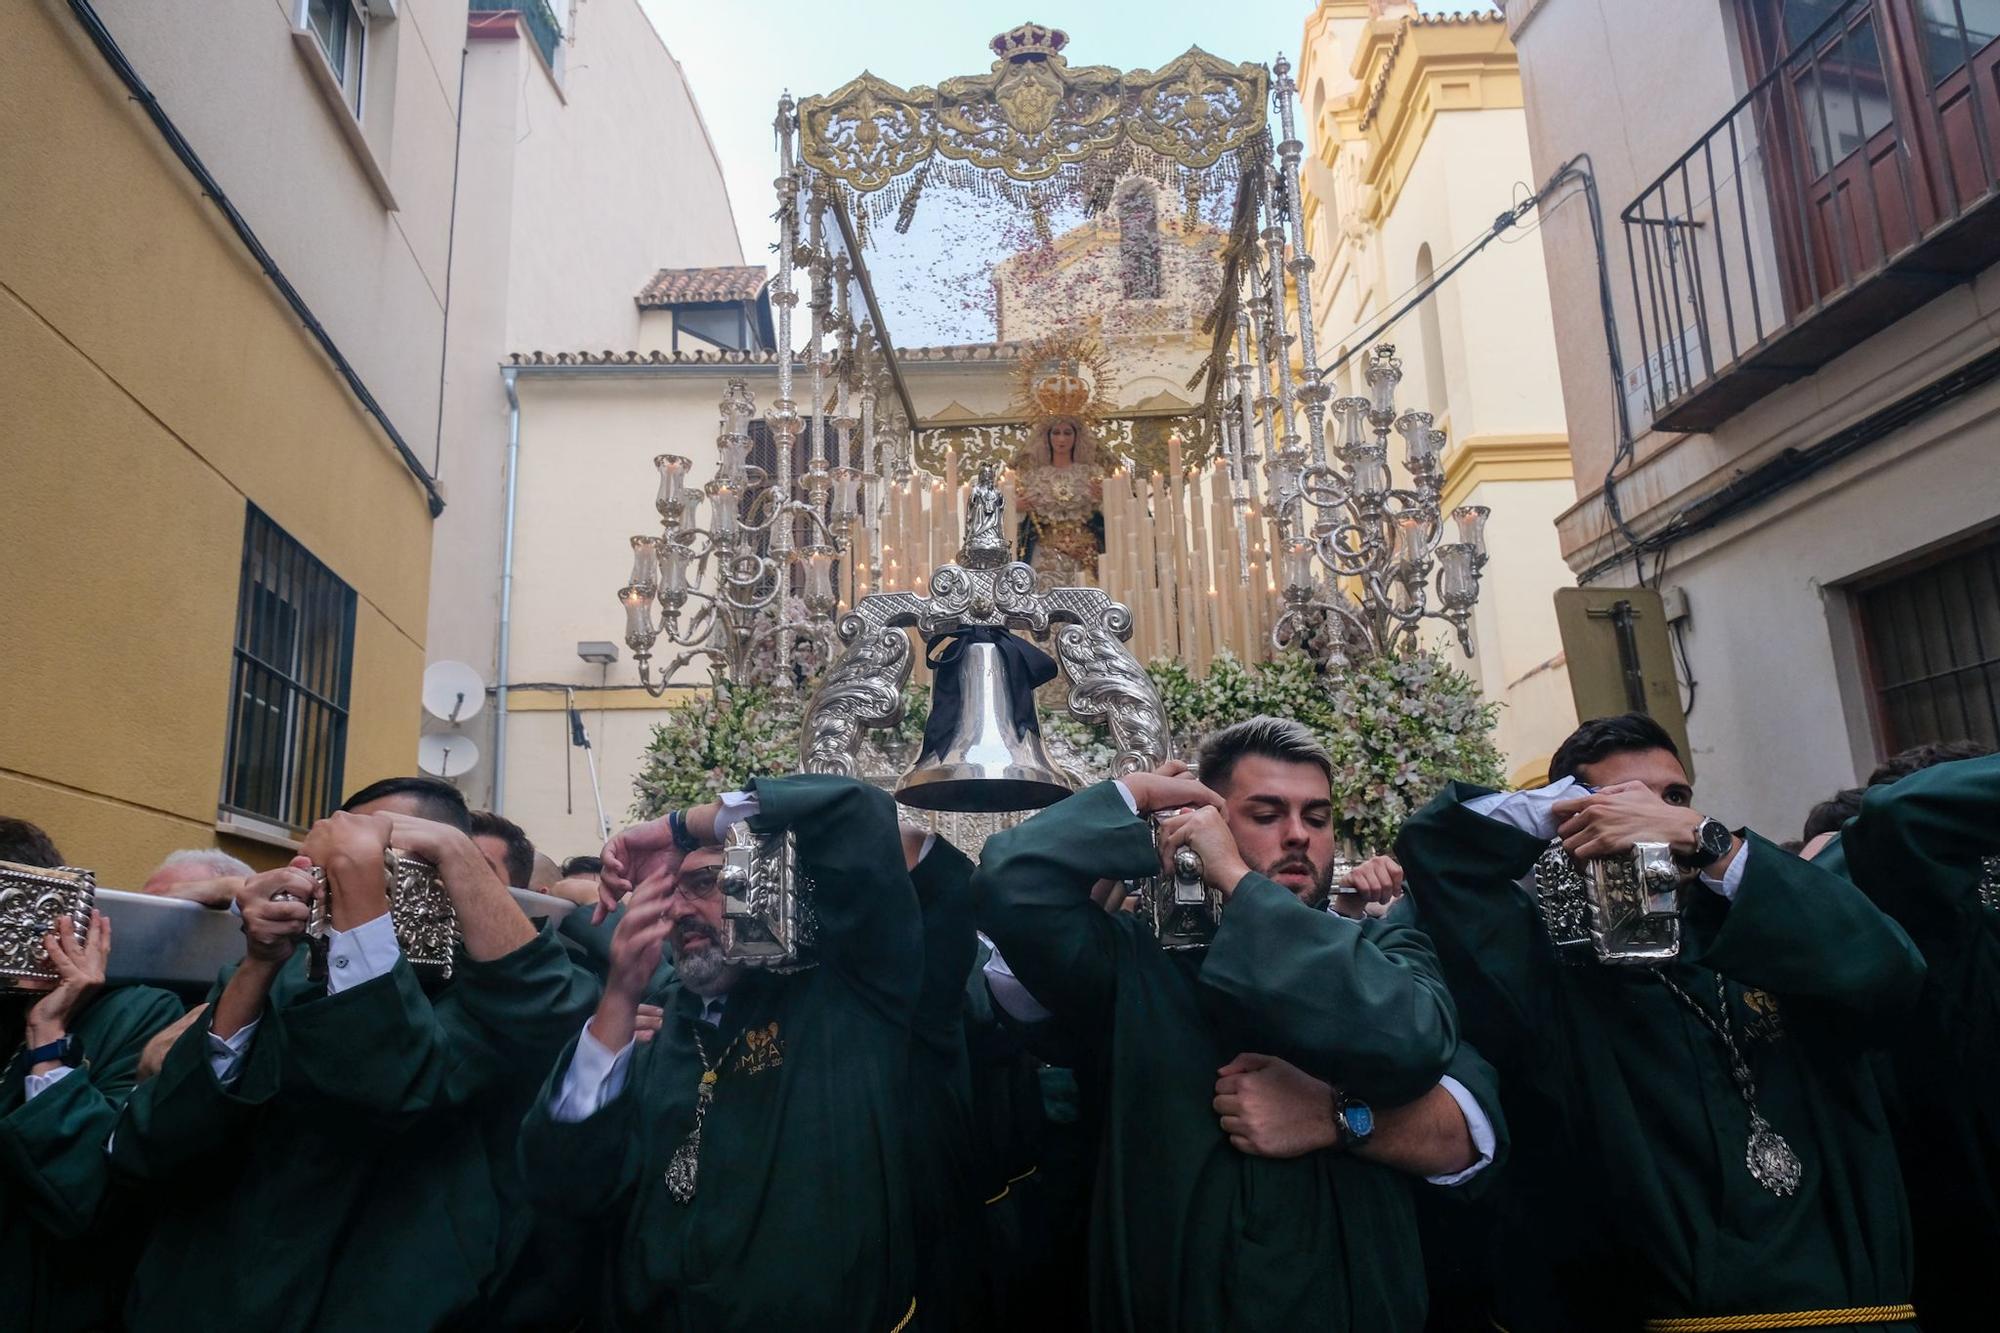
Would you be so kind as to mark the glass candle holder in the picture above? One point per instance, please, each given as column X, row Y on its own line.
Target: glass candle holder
column 1415, row 428
column 723, row 500
column 674, row 561
column 1384, row 373
column 1411, row 530
column 1458, row 577
column 645, row 565
column 639, row 631
column 1471, row 520
column 673, row 483
column 1371, row 474
column 1300, row 566
column 737, row 408
column 1351, row 421
column 846, row 494
column 815, row 566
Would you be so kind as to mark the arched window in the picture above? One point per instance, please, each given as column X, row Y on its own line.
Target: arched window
column 1435, row 382
column 1139, row 242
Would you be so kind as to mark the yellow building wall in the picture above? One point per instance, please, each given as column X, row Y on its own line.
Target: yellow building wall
column 153, row 383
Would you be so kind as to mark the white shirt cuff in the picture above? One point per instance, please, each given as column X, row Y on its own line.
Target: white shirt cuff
column 1009, row 993
column 1477, row 1124
column 35, row 1084
column 225, row 1054
column 361, row 954
column 1131, row 801
column 1528, row 811
column 595, row 1076
column 1732, row 874
column 737, row 806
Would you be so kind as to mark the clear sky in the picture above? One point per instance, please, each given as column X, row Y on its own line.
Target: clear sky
column 739, row 55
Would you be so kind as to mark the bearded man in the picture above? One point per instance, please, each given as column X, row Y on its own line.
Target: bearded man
column 753, row 1159
column 1200, row 1222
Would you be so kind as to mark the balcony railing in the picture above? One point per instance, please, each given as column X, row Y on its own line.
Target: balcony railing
column 1852, row 184
column 541, row 21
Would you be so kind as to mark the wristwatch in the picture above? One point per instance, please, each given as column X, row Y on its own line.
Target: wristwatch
column 67, row 1048
column 1357, row 1122
column 1712, row 840
column 684, row 838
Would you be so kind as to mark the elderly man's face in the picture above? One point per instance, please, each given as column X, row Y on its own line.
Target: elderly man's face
column 166, row 877
column 1281, row 815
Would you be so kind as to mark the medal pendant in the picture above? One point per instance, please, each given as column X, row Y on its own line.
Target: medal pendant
column 1771, row 1160
column 684, row 1167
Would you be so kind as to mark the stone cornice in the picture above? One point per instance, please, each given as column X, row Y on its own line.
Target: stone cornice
column 1479, row 459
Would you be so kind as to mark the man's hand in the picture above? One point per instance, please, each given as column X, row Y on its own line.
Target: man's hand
column 1379, row 879
column 459, row 862
column 646, row 1026
column 637, row 853
column 79, row 975
column 1271, row 1109
column 1205, row 830
column 348, row 848
column 636, row 947
column 275, row 907
column 217, row 892
column 1610, row 821
column 1153, row 792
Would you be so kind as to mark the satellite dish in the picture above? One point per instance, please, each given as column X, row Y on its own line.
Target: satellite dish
column 446, row 754
column 453, row 691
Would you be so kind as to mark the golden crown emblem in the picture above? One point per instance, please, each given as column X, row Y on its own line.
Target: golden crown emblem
column 1030, row 41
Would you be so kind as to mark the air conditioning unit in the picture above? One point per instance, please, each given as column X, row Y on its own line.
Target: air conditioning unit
column 380, row 9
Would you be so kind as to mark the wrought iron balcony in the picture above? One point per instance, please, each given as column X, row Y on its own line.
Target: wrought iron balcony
column 541, row 21
column 1854, row 182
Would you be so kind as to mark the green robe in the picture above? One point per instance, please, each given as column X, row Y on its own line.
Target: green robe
column 1918, row 850
column 349, row 1179
column 1188, row 1233
column 60, row 1268
column 802, row 1213
column 1634, row 1200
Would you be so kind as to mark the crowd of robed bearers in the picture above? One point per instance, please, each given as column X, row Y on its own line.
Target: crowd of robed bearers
column 990, row 1099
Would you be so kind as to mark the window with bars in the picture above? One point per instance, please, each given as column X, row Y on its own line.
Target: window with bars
column 1932, row 633
column 288, row 691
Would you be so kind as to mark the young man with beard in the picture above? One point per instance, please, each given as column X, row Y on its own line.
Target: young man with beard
column 754, row 1158
column 1192, row 1231
column 328, row 1155
column 1707, row 1138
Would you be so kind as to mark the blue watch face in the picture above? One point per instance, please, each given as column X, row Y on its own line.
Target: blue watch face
column 1360, row 1120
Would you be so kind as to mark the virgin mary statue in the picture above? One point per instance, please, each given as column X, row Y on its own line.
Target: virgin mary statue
column 1059, row 492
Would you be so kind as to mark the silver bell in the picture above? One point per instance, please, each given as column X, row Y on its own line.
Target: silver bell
column 989, row 764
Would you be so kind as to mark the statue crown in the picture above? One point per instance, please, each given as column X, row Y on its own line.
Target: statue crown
column 1030, row 41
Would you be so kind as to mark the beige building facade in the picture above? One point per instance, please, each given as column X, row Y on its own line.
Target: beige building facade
column 1416, row 141
column 585, row 168
column 221, row 378
column 1803, row 309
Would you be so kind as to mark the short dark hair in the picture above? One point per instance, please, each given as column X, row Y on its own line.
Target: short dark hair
column 520, row 852
column 1918, row 757
column 1830, row 814
column 25, row 844
column 1602, row 737
column 583, row 865
column 1265, row 737
column 438, row 801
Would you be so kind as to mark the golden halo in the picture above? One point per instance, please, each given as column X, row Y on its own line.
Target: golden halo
column 1065, row 375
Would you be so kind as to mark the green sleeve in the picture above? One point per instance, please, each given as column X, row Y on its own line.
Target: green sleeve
column 1916, row 848
column 52, row 1147
column 870, row 933
column 1360, row 1005
column 1798, row 930
column 176, row 1122
column 583, row 1168
column 1033, row 894
column 384, row 1050
column 1478, row 1077
column 943, row 883
column 1462, row 871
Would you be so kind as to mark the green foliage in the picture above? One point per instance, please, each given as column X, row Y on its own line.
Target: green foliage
column 1398, row 728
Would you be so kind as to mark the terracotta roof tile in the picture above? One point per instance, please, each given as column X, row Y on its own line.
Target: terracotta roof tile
column 686, row 286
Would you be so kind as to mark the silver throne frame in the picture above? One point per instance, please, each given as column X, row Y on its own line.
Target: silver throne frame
column 863, row 690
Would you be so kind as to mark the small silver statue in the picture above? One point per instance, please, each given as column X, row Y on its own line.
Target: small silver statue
column 986, row 545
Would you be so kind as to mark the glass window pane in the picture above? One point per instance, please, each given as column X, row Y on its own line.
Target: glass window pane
column 1848, row 102
column 329, row 23
column 1953, row 31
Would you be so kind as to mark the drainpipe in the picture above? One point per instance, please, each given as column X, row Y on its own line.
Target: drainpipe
column 506, row 593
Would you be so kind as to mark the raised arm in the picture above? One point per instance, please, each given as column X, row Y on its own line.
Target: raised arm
column 1360, row 1004
column 849, row 844
column 1463, row 866
column 1917, row 848
column 1032, row 895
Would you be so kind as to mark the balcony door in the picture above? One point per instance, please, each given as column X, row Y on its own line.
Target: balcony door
column 1849, row 172
column 1958, row 77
